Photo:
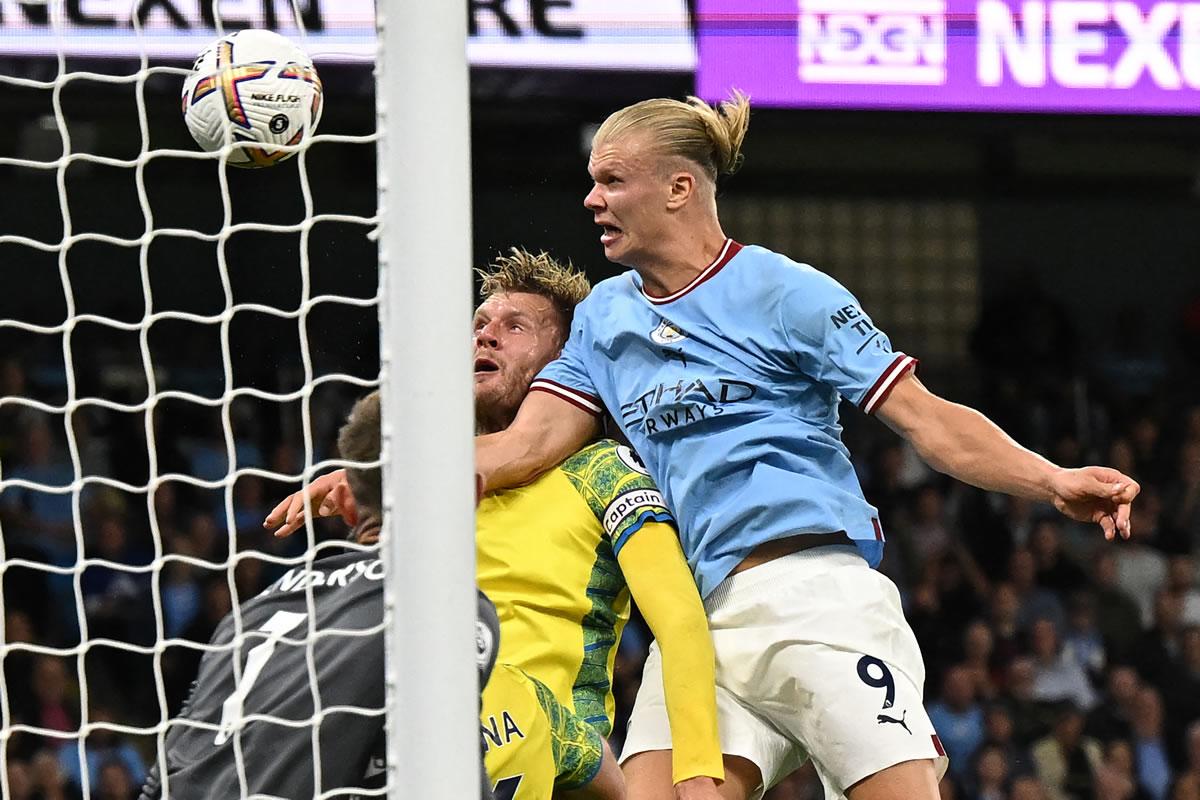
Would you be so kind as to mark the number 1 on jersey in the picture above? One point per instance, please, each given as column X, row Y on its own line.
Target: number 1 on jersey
column 280, row 624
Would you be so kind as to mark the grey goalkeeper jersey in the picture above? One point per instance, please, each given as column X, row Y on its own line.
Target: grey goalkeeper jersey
column 237, row 753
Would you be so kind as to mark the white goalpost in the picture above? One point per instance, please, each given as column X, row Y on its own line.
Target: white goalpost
column 425, row 253
column 422, row 228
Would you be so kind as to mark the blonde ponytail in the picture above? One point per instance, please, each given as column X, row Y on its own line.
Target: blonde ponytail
column 707, row 136
column 726, row 125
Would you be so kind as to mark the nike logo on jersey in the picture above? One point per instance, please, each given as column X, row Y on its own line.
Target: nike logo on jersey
column 882, row 718
column 666, row 333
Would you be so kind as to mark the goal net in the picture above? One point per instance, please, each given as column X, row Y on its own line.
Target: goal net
column 180, row 341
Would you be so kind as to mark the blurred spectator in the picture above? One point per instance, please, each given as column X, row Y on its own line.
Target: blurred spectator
column 180, row 587
column 1066, row 449
column 206, row 538
column 999, row 732
column 18, row 665
column 249, row 504
column 103, row 746
column 1153, row 767
column 927, row 534
column 1007, row 641
column 55, row 698
column 93, row 449
column 1111, row 718
column 1186, row 788
column 958, row 719
column 248, row 579
column 20, row 781
column 1181, row 580
column 1065, row 760
column 962, row 588
column 1191, row 423
column 117, row 601
column 988, row 525
column 116, row 782
column 27, row 589
column 1055, row 571
column 1120, row 456
column 287, row 460
column 1027, row 345
column 1033, row 602
column 924, row 613
column 1160, row 645
column 948, row 788
column 1118, row 616
column 977, row 658
column 13, row 383
column 1028, row 788
column 45, row 517
column 1181, row 505
column 1057, row 676
column 168, row 516
column 1145, row 434
column 1030, row 717
column 1082, row 642
column 1191, row 770
column 49, row 778
column 1182, row 694
column 1115, row 778
column 1020, row 520
column 208, row 458
column 991, row 774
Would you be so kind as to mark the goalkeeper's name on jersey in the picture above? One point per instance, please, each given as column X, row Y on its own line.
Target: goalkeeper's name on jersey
column 297, row 579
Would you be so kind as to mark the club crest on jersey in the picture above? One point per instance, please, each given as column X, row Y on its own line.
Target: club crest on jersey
column 667, row 333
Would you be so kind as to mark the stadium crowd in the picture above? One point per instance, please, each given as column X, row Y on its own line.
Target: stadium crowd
column 1058, row 665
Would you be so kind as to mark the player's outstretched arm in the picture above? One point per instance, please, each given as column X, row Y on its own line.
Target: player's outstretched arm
column 965, row 444
column 546, row 430
column 665, row 592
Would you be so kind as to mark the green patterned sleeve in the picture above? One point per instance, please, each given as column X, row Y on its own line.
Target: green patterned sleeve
column 576, row 746
column 617, row 487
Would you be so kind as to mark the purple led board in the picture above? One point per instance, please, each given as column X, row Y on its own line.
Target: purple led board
column 1082, row 56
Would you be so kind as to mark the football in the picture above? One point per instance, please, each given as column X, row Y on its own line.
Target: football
column 255, row 90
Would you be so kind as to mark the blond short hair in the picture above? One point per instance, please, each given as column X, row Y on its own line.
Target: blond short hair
column 708, row 136
column 564, row 285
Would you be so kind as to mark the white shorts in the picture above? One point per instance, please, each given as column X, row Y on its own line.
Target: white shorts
column 814, row 660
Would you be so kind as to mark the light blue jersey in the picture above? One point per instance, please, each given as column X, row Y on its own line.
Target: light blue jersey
column 729, row 391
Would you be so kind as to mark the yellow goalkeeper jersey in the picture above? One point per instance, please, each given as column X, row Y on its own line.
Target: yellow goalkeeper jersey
column 546, row 555
column 532, row 744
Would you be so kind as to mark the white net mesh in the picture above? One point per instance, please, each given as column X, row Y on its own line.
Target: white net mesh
column 174, row 332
